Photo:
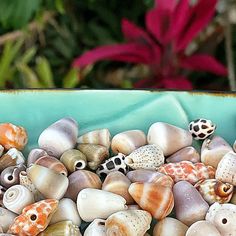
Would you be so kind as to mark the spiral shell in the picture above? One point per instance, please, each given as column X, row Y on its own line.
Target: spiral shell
column 95, row 154
column 213, row 190
column 100, row 137
column 129, row 223
column 12, row 136
column 73, row 160
column 53, row 164
column 59, row 137
column 6, row 218
column 128, row 141
column 96, row 228
column 2, row 192
column 10, row 175
column 16, row 198
column 34, row 155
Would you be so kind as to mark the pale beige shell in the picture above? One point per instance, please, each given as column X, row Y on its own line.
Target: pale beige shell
column 100, row 137
column 73, row 160
column 95, row 154
column 16, row 198
column 96, row 228
column 56, row 183
column 35, row 154
column 128, row 223
column 1, row 150
column 128, row 141
column 118, row 183
column 6, row 218
column 170, row 226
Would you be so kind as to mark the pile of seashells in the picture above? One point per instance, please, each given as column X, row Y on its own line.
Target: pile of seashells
column 130, row 185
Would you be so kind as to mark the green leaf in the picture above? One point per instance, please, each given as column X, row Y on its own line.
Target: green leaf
column 71, row 80
column 28, row 55
column 59, row 4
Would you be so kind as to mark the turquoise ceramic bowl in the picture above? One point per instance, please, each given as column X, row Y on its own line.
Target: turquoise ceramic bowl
column 117, row 110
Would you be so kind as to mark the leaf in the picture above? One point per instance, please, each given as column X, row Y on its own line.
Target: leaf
column 72, row 79
column 59, row 4
column 28, row 55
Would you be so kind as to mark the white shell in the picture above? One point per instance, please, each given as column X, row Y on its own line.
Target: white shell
column 96, row 228
column 1, row 150
column 17, row 197
column 94, row 203
column 66, row 210
column 170, row 138
column 34, row 155
column 6, row 218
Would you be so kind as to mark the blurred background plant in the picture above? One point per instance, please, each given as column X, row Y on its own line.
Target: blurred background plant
column 40, row 39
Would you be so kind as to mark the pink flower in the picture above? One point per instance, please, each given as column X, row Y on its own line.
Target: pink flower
column 170, row 27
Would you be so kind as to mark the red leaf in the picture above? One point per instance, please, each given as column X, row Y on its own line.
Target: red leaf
column 203, row 63
column 179, row 82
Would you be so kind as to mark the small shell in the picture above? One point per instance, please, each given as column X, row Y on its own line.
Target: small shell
column 66, row 211
column 202, row 228
column 56, row 183
column 34, row 155
column 95, row 154
column 226, row 169
column 12, row 158
column 134, row 207
column 118, row 183
column 1, row 150
column 12, row 136
column 100, row 137
column 6, row 218
column 82, row 179
column 59, row 137
column 186, row 170
column 2, row 192
column 73, row 160
column 213, row 190
column 145, row 157
column 96, row 228
column 128, row 141
column 10, row 175
column 154, row 198
column 170, row 138
column 128, row 223
column 94, row 203
column 113, row 164
column 189, row 204
column 184, row 154
column 201, row 128
column 213, row 150
column 168, row 227
column 63, row 228
column 16, row 198
column 52, row 163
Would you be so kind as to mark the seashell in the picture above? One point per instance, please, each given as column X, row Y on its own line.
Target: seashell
column 128, row 141
column 1, row 150
column 226, row 169
column 12, row 136
column 6, row 218
column 94, row 203
column 26, row 182
column 118, row 183
column 189, row 204
column 59, row 137
column 170, row 138
column 95, row 154
column 233, row 199
column 186, row 170
column 154, row 198
column 63, row 228
column 82, row 179
column 213, row 190
column 96, row 228
column 34, row 218
column 6, row 234
column 145, row 157
column 53, row 164
column 56, row 183
column 184, row 154
column 2, row 192
column 34, row 155
column 10, row 175
column 202, row 228
column 170, row 226
column 73, row 160
column 12, row 158
column 213, row 150
column 66, row 211
column 223, row 216
column 99, row 136
column 116, row 163
column 128, row 223
column 134, row 207
column 16, row 198
column 201, row 128
column 150, row 176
